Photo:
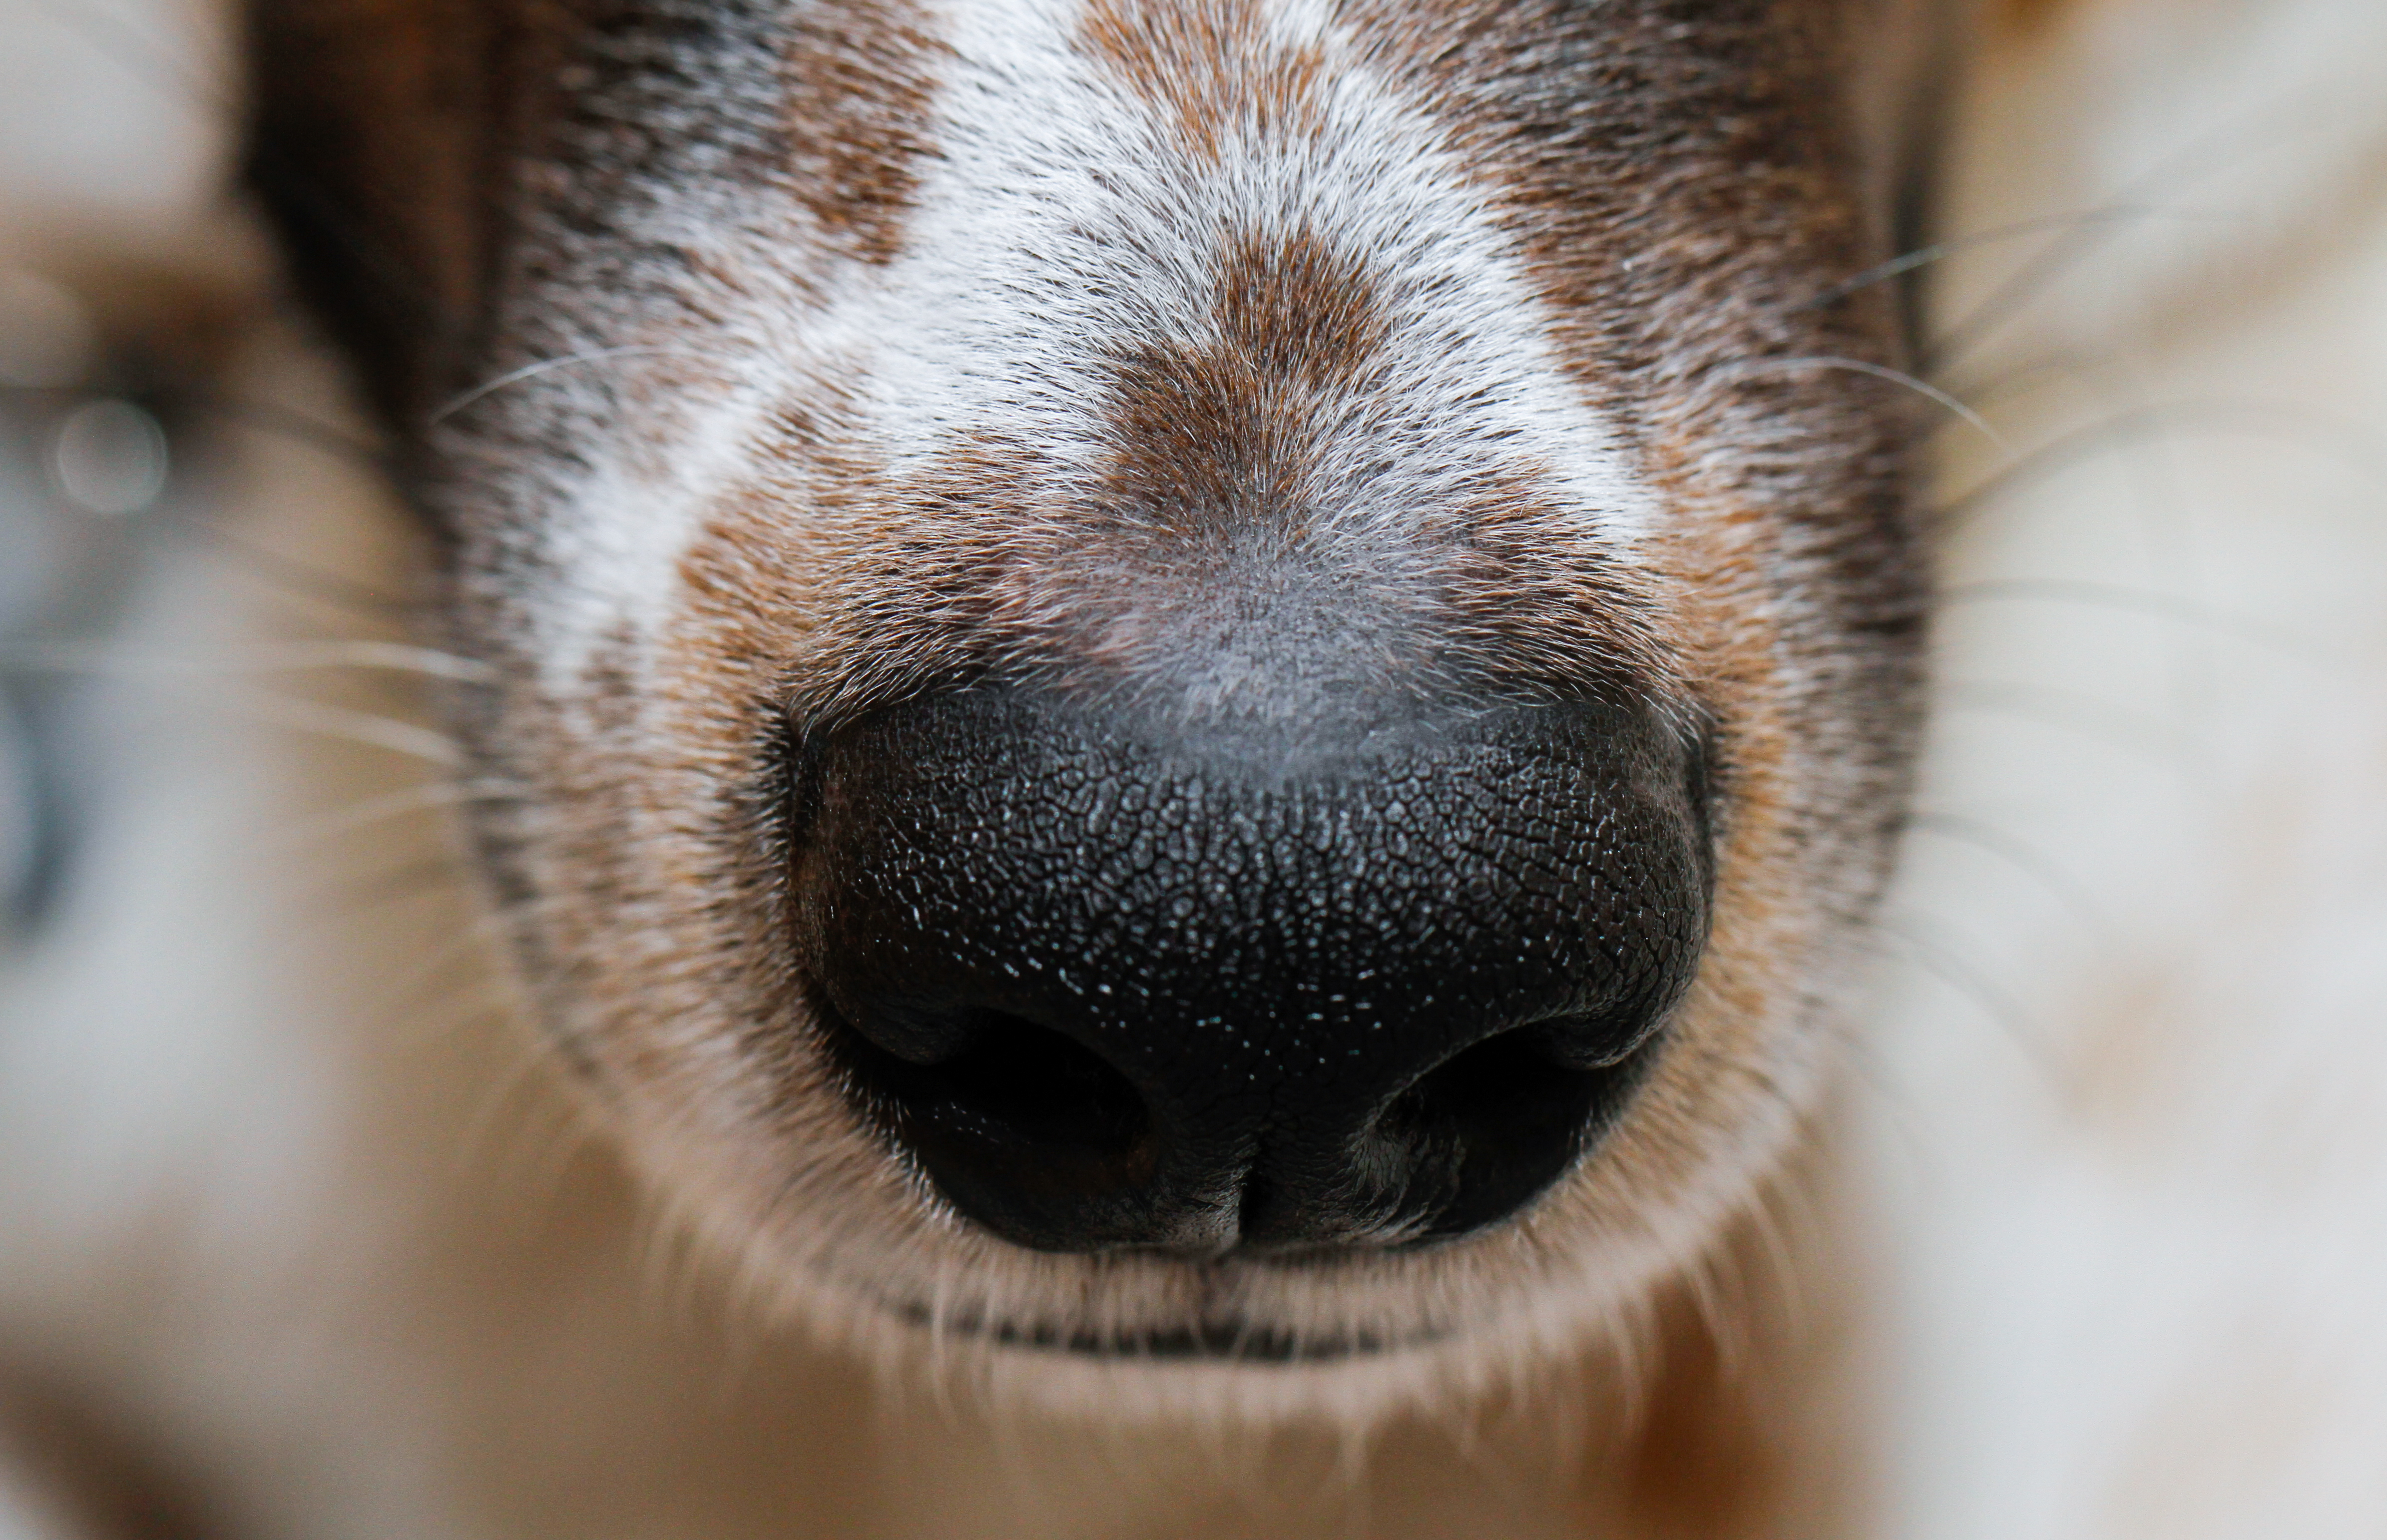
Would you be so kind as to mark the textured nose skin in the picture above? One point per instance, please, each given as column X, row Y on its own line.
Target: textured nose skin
column 1124, row 984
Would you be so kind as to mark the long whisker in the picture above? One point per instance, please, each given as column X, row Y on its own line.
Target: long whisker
column 1932, row 952
column 2073, row 712
column 2146, row 602
column 410, row 739
column 269, row 417
column 2023, row 856
column 288, row 657
column 1923, row 257
column 362, row 894
column 393, row 657
column 396, row 805
column 2233, row 142
column 547, row 366
column 2355, row 447
column 1748, row 367
column 300, row 579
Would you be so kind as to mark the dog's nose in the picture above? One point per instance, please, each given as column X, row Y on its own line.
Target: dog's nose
column 1138, row 984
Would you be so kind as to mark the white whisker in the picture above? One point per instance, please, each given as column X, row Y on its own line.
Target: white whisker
column 1931, row 950
column 547, row 366
column 1758, row 368
column 2203, row 157
column 2359, row 450
column 374, row 809
column 2075, row 711
column 2022, row 855
column 288, row 657
column 2150, row 603
column 1939, row 251
column 410, row 739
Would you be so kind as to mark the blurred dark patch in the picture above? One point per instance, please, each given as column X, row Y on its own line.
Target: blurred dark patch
column 87, row 1470
column 96, row 383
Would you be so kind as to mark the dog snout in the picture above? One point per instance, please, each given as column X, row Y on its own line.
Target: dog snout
column 1119, row 981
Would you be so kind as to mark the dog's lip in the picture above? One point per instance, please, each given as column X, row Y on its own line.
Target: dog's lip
column 1220, row 1340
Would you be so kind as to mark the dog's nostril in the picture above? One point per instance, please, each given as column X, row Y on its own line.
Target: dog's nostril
column 1593, row 1040
column 1497, row 1122
column 991, row 1079
column 917, row 1034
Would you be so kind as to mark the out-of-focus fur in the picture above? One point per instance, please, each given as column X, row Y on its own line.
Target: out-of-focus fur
column 290, row 1223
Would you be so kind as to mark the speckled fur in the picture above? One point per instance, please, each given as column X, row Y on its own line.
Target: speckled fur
column 924, row 344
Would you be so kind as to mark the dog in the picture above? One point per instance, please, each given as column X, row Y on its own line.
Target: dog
column 1116, row 769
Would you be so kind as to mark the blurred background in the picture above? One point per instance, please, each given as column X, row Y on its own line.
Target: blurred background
column 126, row 279
column 2124, row 1071
column 2130, row 1052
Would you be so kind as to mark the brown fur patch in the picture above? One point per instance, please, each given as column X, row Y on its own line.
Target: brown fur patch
column 2025, row 14
column 1209, row 443
column 82, row 1466
column 1209, row 64
column 1199, row 448
column 1297, row 309
column 858, row 96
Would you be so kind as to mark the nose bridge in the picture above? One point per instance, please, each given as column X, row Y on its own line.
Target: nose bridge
column 1273, row 939
column 1296, row 406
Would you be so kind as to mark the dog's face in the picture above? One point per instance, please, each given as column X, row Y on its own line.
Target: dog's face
column 1196, row 679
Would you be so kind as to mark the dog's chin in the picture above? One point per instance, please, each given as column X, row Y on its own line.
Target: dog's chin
column 1012, row 1312
column 1254, row 1368
column 931, row 1303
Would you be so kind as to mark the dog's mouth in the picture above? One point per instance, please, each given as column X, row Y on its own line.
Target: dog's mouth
column 1244, row 1003
column 1224, row 1341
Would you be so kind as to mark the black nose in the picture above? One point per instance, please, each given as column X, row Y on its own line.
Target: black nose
column 1136, row 985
